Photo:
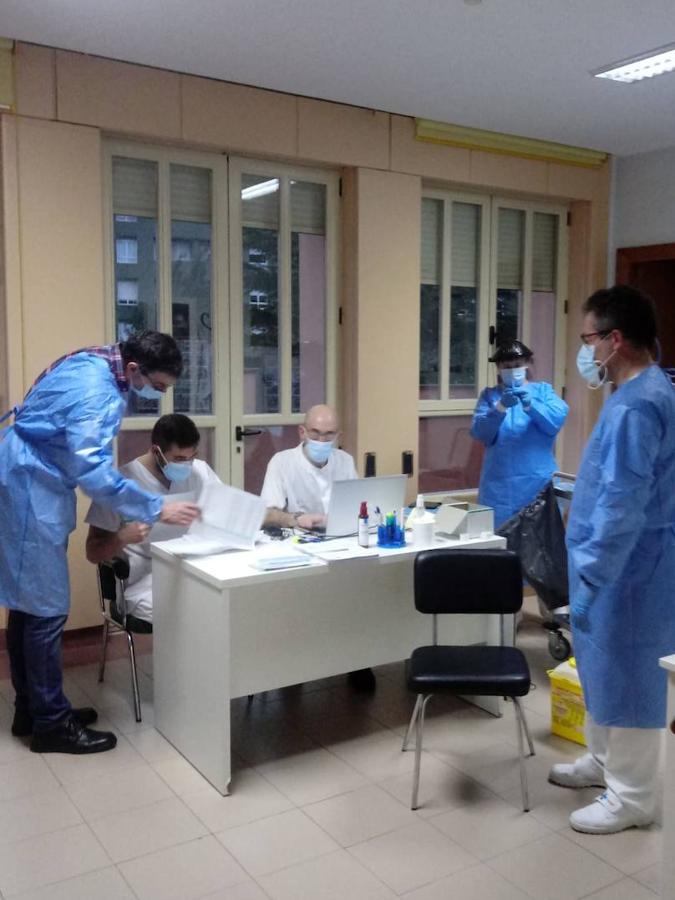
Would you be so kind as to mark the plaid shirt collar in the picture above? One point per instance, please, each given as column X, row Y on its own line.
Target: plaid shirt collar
column 111, row 353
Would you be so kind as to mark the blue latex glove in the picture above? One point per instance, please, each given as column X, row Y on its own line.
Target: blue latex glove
column 508, row 398
column 524, row 395
column 580, row 607
column 579, row 619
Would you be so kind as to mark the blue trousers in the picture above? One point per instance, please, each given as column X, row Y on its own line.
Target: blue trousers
column 34, row 647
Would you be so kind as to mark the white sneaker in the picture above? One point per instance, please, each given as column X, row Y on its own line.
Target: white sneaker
column 606, row 815
column 583, row 772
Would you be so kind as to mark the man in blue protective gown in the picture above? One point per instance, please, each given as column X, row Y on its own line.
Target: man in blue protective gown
column 621, row 554
column 517, row 421
column 62, row 438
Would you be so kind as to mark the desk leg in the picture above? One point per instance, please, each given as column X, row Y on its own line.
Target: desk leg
column 668, row 871
column 191, row 648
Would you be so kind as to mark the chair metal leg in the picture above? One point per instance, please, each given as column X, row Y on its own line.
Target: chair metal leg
column 418, row 749
column 521, row 755
column 104, row 647
column 526, row 729
column 134, row 676
column 411, row 723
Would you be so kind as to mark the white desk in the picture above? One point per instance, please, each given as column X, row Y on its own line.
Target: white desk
column 223, row 629
column 668, row 870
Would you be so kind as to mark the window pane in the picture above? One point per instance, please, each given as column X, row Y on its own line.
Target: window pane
column 430, row 298
column 430, row 327
column 308, row 294
column 464, row 272
column 510, row 253
column 260, row 237
column 259, row 449
column 450, row 459
column 191, row 286
column 135, row 226
column 544, row 277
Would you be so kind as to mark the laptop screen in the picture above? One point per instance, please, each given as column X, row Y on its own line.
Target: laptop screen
column 386, row 492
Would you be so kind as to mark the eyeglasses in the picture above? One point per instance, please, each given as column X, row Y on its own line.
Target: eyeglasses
column 586, row 338
column 316, row 435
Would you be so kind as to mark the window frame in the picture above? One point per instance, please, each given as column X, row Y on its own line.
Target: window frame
column 239, row 166
column 487, row 289
column 218, row 420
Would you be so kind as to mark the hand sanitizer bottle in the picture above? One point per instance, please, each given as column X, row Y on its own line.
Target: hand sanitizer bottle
column 422, row 523
column 363, row 536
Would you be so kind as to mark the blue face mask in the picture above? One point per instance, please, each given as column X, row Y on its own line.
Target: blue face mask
column 319, row 451
column 147, row 391
column 175, row 471
column 595, row 375
column 513, row 377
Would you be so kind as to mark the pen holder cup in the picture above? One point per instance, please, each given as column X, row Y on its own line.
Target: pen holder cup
column 391, row 535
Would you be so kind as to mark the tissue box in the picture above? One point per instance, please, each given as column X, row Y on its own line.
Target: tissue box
column 464, row 518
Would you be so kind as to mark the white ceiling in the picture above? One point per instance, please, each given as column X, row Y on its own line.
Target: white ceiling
column 518, row 66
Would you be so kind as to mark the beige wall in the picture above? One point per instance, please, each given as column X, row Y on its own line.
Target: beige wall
column 52, row 216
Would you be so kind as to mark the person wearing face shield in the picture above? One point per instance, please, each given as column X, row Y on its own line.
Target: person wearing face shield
column 621, row 562
column 61, row 439
column 169, row 468
column 517, row 420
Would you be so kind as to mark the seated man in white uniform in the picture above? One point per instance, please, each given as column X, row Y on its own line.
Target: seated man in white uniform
column 168, row 467
column 298, row 483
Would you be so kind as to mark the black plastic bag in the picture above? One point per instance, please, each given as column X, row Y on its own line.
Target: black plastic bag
column 537, row 535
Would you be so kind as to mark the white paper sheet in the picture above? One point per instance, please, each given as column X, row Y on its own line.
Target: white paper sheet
column 279, row 556
column 338, row 549
column 230, row 521
column 160, row 531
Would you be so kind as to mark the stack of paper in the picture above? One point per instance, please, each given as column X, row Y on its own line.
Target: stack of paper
column 230, row 520
column 339, row 549
column 279, row 556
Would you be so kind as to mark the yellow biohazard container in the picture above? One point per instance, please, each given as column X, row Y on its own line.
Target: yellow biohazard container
column 568, row 710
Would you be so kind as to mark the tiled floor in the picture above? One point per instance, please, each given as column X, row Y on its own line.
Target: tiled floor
column 319, row 808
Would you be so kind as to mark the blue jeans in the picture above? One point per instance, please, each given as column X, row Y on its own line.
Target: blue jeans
column 34, row 647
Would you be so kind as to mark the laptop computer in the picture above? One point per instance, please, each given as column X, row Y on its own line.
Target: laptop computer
column 386, row 492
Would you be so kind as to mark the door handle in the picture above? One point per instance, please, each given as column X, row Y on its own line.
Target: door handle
column 492, row 336
column 240, row 433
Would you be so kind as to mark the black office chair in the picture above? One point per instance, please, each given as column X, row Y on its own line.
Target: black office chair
column 112, row 577
column 468, row 582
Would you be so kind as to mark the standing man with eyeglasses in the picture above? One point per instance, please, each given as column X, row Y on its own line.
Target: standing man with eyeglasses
column 62, row 438
column 621, row 555
column 298, row 483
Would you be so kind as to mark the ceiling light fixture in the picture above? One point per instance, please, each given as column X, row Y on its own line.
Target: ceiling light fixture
column 260, row 189
column 635, row 68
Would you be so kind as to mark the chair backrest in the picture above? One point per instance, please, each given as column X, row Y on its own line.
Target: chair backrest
column 468, row 581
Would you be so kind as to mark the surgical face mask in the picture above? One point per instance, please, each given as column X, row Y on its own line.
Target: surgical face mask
column 146, row 391
column 593, row 372
column 513, row 377
column 175, row 471
column 319, row 451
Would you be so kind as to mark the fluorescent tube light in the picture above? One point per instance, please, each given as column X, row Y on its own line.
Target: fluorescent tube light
column 646, row 65
column 259, row 190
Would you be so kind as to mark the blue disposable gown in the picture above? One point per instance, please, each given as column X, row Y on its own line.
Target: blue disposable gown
column 519, row 458
column 62, row 438
column 621, row 554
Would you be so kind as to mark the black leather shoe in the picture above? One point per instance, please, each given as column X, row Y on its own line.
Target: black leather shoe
column 72, row 737
column 362, row 680
column 22, row 726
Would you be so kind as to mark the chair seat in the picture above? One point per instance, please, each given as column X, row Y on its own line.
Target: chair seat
column 133, row 623
column 485, row 671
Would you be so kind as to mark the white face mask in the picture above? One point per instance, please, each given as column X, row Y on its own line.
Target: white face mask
column 513, row 377
column 319, row 451
column 593, row 372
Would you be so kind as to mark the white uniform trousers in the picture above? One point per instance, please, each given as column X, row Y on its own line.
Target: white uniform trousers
column 630, row 759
